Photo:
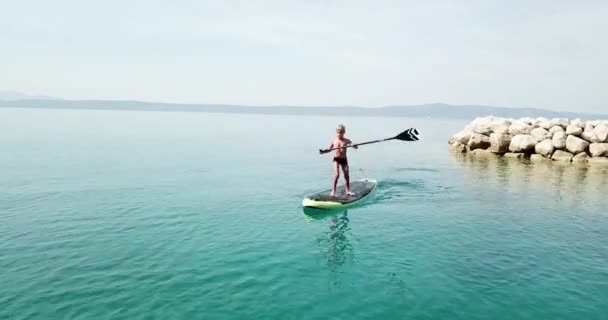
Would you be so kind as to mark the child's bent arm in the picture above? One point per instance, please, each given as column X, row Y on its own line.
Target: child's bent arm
column 350, row 142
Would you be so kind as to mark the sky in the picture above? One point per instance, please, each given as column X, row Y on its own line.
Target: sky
column 545, row 54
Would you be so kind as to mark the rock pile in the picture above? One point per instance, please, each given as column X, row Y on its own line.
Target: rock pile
column 538, row 139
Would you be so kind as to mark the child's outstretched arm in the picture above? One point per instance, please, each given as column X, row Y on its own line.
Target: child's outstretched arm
column 331, row 145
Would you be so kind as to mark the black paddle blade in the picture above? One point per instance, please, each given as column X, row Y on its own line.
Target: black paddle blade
column 408, row 135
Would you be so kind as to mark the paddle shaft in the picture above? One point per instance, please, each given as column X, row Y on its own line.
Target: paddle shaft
column 359, row 144
column 407, row 135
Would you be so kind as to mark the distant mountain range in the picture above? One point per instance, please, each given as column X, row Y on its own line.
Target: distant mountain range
column 436, row 110
column 13, row 95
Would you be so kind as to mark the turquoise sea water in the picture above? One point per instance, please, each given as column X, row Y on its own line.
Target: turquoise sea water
column 161, row 215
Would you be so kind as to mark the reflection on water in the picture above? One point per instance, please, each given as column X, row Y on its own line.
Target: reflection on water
column 335, row 243
column 571, row 184
column 336, row 247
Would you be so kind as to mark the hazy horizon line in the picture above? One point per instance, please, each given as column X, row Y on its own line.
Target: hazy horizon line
column 432, row 110
column 43, row 97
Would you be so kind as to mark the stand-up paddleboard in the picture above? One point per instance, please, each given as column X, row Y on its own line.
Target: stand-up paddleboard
column 363, row 189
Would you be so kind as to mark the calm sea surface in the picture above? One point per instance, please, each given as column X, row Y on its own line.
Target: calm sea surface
column 162, row 215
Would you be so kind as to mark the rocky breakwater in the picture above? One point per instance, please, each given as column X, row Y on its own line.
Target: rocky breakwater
column 539, row 139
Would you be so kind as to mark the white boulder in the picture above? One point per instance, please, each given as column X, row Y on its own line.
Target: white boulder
column 499, row 143
column 479, row 141
column 482, row 125
column 559, row 140
column 522, row 143
column 500, row 126
column 560, row 122
column 601, row 130
column 590, row 136
column 574, row 130
column 527, row 120
column 462, row 137
column 577, row 123
column 555, row 129
column 539, row 134
column 576, row 145
column 519, row 128
column 560, row 155
column 545, row 148
column 598, row 149
column 544, row 123
column 458, row 147
column 581, row 157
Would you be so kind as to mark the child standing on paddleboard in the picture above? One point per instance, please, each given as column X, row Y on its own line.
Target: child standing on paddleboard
column 340, row 160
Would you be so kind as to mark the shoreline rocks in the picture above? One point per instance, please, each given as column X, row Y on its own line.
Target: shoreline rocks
column 540, row 139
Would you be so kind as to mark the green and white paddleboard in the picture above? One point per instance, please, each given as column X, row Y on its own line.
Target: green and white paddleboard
column 363, row 189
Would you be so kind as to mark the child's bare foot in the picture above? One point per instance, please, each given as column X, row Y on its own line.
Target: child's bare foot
column 350, row 193
column 332, row 194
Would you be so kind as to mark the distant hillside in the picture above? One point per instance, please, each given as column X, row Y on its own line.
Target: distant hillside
column 437, row 110
column 13, row 95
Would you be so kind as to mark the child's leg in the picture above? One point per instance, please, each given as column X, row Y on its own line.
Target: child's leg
column 336, row 177
column 347, row 179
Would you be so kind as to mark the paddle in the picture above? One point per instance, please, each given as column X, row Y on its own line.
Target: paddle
column 407, row 135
